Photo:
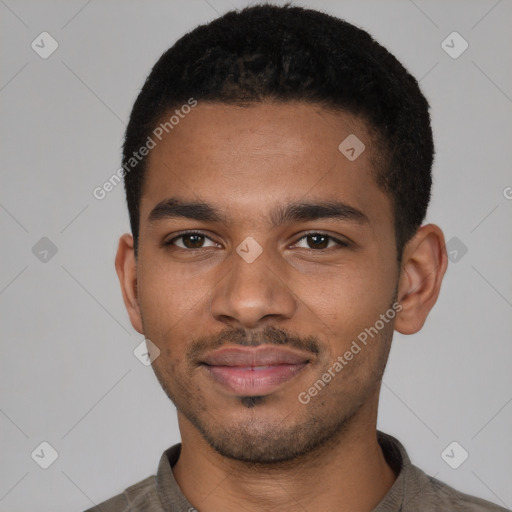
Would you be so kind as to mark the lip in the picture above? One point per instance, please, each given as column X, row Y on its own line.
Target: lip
column 254, row 371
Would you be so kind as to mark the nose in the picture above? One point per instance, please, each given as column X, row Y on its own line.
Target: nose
column 253, row 294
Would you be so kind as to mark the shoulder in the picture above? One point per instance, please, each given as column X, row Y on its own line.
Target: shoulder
column 415, row 491
column 156, row 493
column 438, row 496
column 141, row 495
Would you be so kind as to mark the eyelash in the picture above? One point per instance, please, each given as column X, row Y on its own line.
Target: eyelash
column 170, row 242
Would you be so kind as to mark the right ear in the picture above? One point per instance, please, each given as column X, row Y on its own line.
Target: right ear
column 126, row 268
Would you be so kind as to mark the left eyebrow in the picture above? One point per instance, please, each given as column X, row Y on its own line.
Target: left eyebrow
column 296, row 212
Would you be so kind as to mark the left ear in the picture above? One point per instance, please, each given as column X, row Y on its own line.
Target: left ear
column 424, row 263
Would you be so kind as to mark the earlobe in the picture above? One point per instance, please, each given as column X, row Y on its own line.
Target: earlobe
column 424, row 263
column 126, row 268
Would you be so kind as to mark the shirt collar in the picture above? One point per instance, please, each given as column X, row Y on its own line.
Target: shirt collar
column 408, row 481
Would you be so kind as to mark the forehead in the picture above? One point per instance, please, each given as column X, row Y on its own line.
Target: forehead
column 245, row 159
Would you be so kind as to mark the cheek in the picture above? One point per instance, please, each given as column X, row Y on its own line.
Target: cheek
column 169, row 301
column 346, row 300
column 346, row 291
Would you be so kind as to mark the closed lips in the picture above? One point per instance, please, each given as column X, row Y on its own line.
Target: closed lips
column 253, row 357
column 253, row 371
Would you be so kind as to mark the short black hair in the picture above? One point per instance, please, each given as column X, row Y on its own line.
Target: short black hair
column 286, row 54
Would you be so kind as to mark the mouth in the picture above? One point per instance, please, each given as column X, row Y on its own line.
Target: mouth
column 254, row 371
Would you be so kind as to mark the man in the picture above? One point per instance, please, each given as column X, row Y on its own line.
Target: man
column 277, row 166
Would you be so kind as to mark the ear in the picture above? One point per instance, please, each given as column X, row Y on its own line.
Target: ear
column 424, row 263
column 126, row 268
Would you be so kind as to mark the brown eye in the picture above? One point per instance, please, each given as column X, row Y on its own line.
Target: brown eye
column 319, row 241
column 192, row 241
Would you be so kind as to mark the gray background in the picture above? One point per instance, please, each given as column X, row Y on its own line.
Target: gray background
column 68, row 374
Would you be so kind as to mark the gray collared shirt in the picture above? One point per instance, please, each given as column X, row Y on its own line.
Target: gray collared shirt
column 413, row 490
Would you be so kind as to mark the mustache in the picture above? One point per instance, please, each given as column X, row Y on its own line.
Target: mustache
column 270, row 335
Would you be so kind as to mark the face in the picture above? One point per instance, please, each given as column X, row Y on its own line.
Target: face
column 264, row 255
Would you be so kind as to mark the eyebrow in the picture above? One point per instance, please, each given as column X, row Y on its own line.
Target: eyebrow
column 294, row 212
column 304, row 212
column 174, row 208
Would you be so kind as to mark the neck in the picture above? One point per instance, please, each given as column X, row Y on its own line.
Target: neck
column 348, row 474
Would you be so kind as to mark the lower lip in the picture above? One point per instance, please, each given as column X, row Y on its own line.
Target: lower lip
column 254, row 381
